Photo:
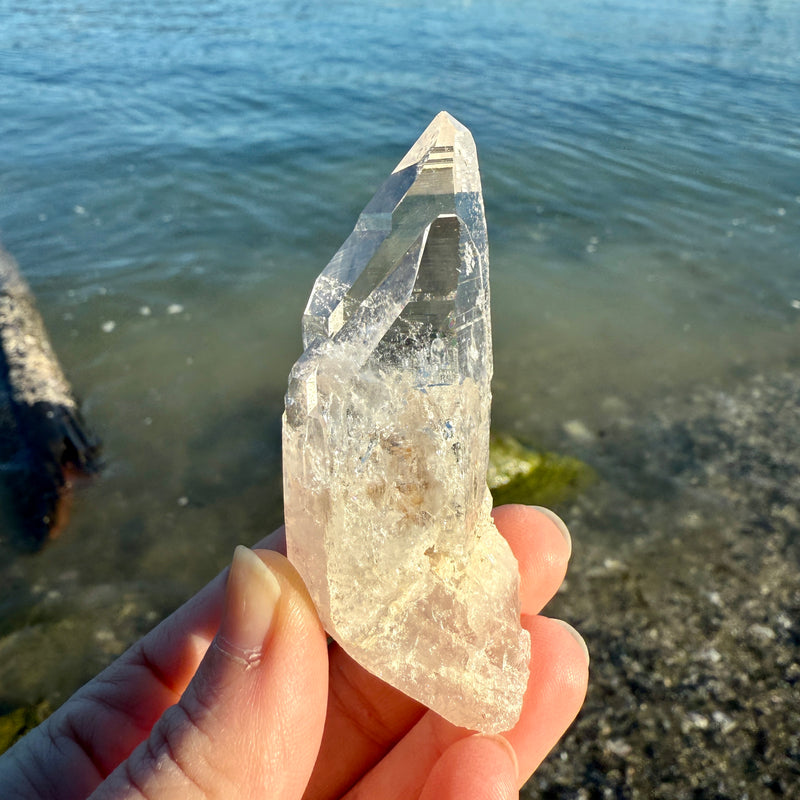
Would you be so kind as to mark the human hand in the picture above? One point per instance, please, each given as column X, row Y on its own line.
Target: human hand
column 237, row 694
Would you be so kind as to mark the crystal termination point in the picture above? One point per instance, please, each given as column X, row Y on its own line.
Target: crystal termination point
column 386, row 444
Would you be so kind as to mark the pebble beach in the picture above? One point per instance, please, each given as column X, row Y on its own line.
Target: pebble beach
column 694, row 625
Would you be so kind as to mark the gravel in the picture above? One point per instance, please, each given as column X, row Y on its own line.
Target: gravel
column 693, row 623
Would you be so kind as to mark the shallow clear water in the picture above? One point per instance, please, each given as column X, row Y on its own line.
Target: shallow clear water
column 174, row 176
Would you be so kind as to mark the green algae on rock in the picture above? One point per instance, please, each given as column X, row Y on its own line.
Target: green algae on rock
column 519, row 474
column 16, row 723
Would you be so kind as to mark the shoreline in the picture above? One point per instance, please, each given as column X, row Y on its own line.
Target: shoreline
column 693, row 625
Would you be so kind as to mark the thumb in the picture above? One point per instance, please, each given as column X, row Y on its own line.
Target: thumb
column 250, row 722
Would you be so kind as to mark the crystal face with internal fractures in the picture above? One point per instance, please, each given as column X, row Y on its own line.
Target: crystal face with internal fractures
column 386, row 444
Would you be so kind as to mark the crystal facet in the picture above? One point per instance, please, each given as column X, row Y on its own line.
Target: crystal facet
column 386, row 441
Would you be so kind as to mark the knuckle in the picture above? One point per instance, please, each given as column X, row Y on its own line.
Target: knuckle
column 179, row 752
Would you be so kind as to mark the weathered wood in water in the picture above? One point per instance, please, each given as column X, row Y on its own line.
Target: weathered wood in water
column 44, row 442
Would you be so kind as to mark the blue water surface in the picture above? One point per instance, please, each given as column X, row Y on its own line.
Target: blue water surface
column 174, row 174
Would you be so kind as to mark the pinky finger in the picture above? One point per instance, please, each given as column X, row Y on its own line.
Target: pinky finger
column 475, row 768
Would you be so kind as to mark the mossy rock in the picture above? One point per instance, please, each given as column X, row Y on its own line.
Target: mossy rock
column 519, row 474
column 16, row 723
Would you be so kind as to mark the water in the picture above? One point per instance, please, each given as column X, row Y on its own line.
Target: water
column 173, row 176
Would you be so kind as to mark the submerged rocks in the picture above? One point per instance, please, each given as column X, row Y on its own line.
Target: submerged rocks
column 520, row 474
column 14, row 724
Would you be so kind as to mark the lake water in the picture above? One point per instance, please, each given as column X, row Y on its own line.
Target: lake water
column 174, row 175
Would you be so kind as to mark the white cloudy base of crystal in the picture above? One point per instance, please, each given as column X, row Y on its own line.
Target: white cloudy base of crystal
column 410, row 577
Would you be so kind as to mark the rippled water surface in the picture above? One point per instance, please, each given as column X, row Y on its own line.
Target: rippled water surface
column 173, row 176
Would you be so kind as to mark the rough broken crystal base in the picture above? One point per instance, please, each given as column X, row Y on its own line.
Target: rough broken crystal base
column 386, row 444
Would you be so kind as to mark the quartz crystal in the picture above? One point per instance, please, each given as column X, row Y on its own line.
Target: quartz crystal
column 386, row 443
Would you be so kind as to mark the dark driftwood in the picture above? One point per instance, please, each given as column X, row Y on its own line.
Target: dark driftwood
column 44, row 442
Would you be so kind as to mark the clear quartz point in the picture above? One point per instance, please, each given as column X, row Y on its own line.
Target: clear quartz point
column 386, row 445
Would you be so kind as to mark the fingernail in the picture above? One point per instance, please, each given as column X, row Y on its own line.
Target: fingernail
column 559, row 523
column 578, row 638
column 251, row 600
